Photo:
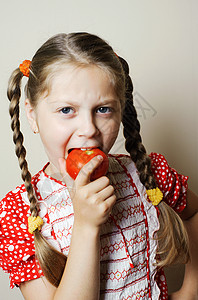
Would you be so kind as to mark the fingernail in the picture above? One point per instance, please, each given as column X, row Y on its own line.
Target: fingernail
column 100, row 157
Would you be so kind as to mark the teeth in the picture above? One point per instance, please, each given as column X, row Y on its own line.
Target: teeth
column 84, row 149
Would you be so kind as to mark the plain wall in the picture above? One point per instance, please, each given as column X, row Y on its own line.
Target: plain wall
column 157, row 38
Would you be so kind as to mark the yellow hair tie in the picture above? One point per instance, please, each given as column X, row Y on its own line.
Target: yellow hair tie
column 34, row 223
column 155, row 195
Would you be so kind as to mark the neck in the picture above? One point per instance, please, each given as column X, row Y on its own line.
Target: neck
column 54, row 172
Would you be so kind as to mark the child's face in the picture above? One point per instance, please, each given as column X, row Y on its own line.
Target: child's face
column 81, row 110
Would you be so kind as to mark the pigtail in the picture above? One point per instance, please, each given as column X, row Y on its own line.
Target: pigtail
column 14, row 94
column 173, row 240
column 51, row 261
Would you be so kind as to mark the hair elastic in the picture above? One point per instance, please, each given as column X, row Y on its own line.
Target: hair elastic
column 155, row 195
column 34, row 223
column 25, row 67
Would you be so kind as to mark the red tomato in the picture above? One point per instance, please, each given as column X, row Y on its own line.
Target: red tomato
column 77, row 158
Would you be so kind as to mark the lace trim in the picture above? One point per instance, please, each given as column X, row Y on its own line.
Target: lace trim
column 153, row 226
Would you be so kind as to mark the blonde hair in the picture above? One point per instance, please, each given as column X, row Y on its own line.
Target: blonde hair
column 83, row 49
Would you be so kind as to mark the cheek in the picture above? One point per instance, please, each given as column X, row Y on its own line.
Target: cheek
column 110, row 132
column 53, row 136
column 110, row 127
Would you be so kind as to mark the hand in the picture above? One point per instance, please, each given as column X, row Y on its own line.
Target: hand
column 92, row 201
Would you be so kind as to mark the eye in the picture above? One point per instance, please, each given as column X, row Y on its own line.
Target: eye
column 104, row 110
column 67, row 110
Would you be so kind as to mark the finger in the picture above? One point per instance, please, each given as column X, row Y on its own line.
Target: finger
column 98, row 184
column 109, row 203
column 105, row 193
column 83, row 177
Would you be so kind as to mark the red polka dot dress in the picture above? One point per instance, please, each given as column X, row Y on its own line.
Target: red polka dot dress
column 128, row 247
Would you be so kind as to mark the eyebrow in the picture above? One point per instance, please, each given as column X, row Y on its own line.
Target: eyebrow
column 73, row 102
column 106, row 101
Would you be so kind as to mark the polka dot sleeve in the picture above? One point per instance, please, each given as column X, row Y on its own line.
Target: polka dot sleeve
column 173, row 185
column 17, row 252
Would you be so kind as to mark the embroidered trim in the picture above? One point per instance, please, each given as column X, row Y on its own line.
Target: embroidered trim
column 124, row 240
column 152, row 222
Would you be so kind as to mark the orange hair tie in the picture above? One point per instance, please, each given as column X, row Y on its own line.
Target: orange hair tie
column 25, row 67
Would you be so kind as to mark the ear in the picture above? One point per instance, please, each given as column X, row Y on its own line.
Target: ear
column 31, row 116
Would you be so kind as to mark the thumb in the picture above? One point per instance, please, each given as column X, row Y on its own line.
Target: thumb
column 84, row 175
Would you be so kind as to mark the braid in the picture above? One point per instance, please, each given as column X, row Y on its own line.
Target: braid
column 173, row 240
column 133, row 143
column 14, row 94
column 48, row 257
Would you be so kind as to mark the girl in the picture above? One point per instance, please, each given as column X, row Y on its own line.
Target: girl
column 102, row 239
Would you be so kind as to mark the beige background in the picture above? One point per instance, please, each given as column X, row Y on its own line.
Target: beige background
column 158, row 38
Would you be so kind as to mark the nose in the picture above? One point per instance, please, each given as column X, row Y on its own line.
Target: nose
column 87, row 127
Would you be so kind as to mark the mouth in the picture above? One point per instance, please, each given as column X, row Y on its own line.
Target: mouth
column 84, row 148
